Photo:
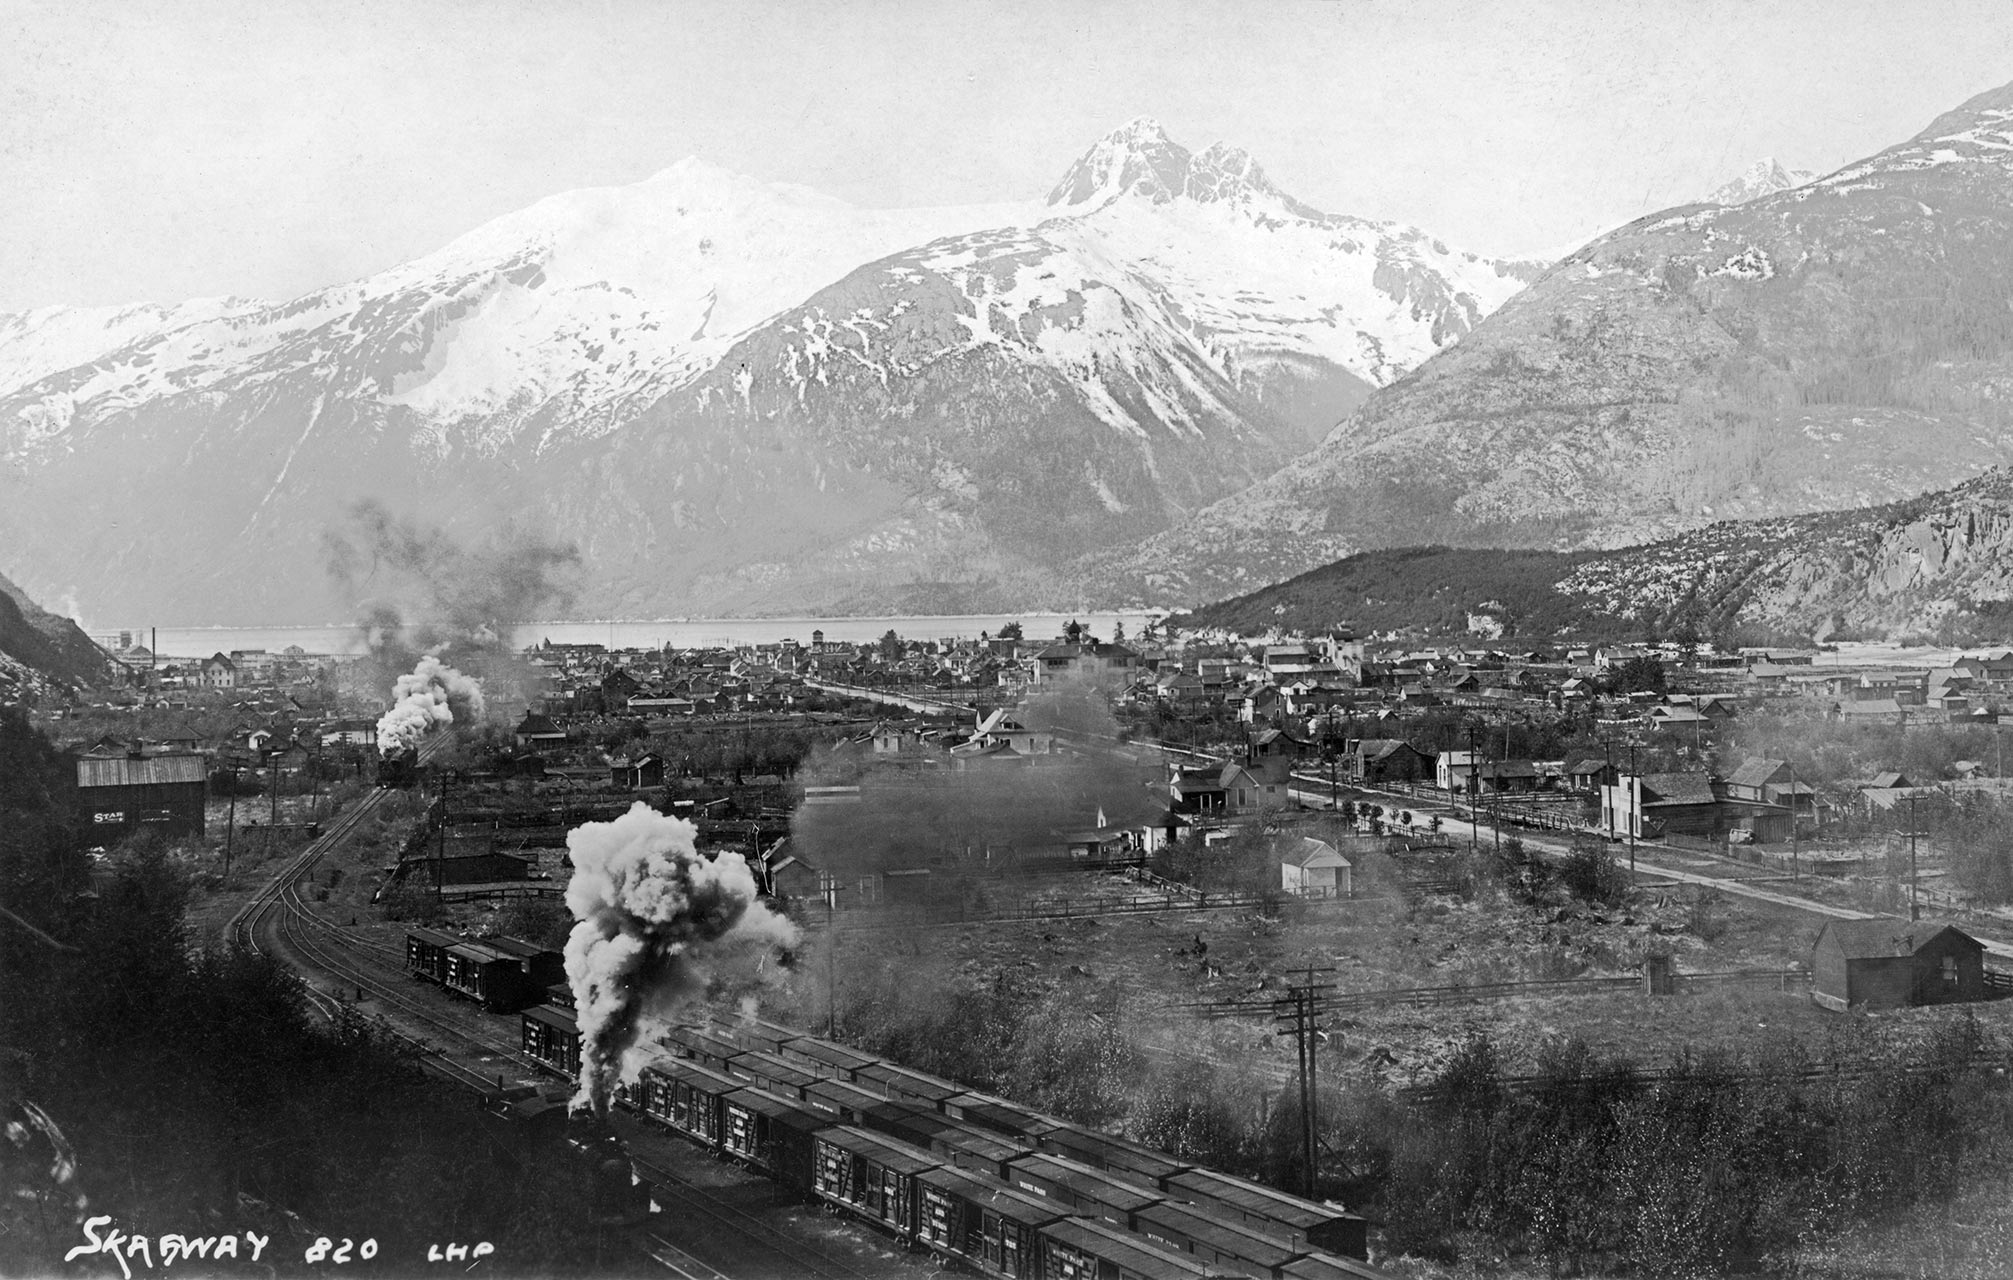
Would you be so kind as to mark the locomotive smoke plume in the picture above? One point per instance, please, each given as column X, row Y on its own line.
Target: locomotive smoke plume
column 423, row 701
column 415, row 587
column 655, row 918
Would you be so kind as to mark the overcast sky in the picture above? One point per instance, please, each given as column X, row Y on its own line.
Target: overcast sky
column 267, row 147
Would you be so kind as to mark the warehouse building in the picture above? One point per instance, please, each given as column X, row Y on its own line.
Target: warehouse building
column 119, row 795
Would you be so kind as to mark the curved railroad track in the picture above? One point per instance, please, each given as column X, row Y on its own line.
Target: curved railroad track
column 278, row 922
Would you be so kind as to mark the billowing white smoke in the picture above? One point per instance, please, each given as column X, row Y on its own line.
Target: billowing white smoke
column 423, row 701
column 656, row 919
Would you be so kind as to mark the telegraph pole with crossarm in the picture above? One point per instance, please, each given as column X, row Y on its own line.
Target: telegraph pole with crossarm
column 1300, row 1010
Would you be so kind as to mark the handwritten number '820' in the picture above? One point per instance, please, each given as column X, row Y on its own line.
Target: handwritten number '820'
column 325, row 1250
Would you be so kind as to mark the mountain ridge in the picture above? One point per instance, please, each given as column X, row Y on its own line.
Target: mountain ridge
column 1152, row 348
column 1830, row 346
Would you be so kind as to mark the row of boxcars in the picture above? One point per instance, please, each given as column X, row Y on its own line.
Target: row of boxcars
column 1003, row 1189
column 501, row 974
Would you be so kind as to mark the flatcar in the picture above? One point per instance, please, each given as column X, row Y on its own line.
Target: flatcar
column 1090, row 1193
column 552, row 1039
column 487, row 976
column 426, row 953
column 869, row 1176
column 983, row 1222
column 1325, row 1226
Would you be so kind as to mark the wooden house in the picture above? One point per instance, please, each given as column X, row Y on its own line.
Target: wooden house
column 1313, row 869
column 1891, row 963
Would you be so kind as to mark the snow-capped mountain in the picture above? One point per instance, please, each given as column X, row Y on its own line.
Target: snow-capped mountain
column 573, row 314
column 1843, row 343
column 729, row 391
column 1764, row 177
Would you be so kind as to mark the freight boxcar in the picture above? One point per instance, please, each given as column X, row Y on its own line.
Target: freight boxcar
column 542, row 966
column 1327, row 1266
column 686, row 1096
column 973, row 1148
column 1117, row 1156
column 702, row 1046
column 1213, row 1239
column 426, row 953
column 776, row 1074
column 842, row 1103
column 1086, row 1249
column 900, row 1082
column 1325, row 1226
column 552, row 1038
column 486, row 975
column 771, row 1134
column 1008, row 1118
column 835, row 1059
column 869, row 1176
column 983, row 1222
column 1089, row 1192
column 754, row 1033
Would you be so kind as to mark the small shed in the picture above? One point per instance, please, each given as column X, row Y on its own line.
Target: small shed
column 1314, row 868
column 1891, row 963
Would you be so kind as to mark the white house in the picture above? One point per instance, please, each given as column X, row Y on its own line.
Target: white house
column 1314, row 869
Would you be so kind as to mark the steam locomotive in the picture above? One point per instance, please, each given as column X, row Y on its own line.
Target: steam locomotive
column 398, row 768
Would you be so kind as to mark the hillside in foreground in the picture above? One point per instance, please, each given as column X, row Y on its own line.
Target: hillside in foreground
column 1937, row 565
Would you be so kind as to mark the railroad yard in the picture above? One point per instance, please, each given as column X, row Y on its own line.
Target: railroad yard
column 1130, row 975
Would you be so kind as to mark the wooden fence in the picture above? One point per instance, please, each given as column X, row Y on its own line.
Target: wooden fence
column 1784, row 980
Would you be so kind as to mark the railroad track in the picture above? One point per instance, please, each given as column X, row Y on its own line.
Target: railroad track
column 279, row 918
column 677, row 1261
column 799, row 1260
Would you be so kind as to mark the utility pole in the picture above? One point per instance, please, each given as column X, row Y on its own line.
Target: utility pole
column 1474, row 819
column 1496, row 811
column 1795, row 834
column 273, row 814
column 1635, row 806
column 828, row 888
column 1611, row 786
column 230, row 823
column 1914, row 880
column 440, row 842
column 1300, row 1009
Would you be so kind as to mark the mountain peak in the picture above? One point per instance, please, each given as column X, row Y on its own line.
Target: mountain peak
column 1138, row 158
column 1764, row 177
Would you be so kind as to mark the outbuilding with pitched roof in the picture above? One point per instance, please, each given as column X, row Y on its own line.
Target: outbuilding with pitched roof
column 1891, row 963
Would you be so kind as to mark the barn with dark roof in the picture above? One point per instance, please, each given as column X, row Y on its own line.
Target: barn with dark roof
column 1891, row 963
